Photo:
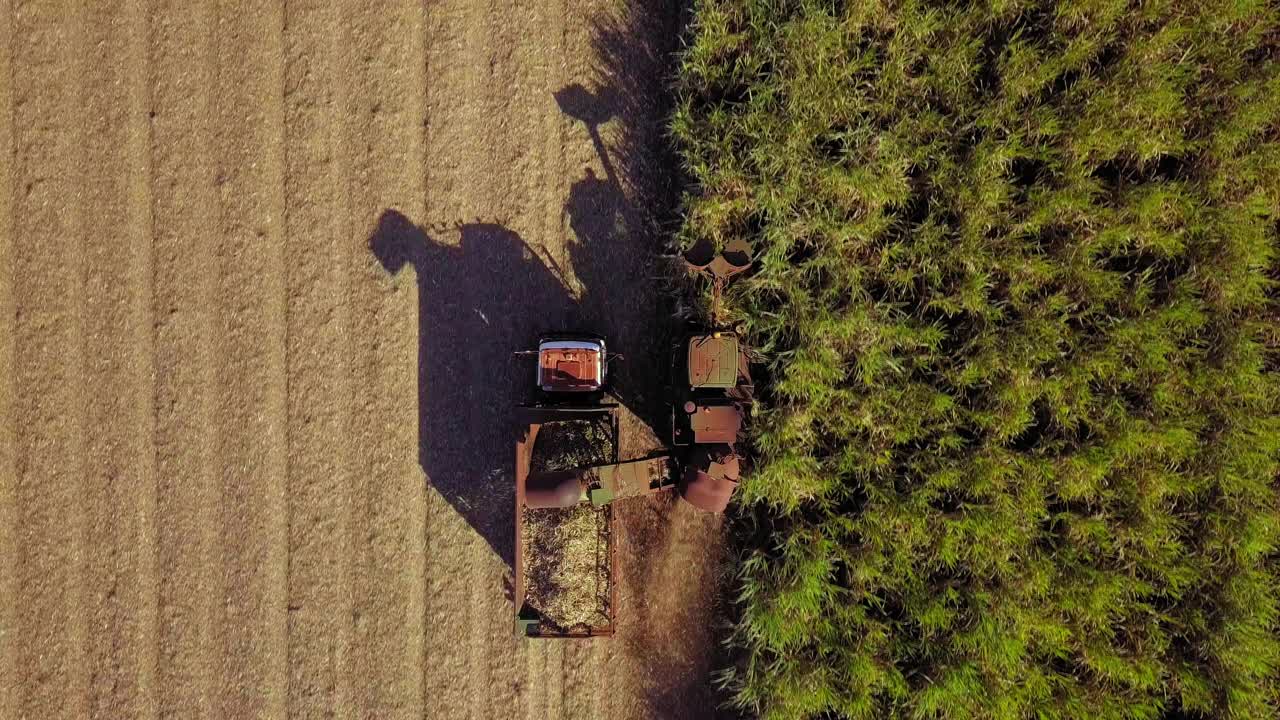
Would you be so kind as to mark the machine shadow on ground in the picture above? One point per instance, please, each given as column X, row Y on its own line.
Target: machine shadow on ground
column 484, row 298
column 478, row 302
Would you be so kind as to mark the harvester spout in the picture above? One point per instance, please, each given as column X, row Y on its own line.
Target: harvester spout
column 554, row 489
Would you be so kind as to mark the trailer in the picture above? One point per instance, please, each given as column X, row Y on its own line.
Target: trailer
column 533, row 618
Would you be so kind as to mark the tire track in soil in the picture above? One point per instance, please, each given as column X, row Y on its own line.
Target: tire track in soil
column 182, row 77
column 580, row 666
column 120, row 475
column 382, row 65
column 250, row 397
column 49, row 338
column 500, row 72
column 488, row 66
column 674, row 630
column 573, row 671
column 558, row 688
column 516, row 91
column 456, row 35
column 470, row 668
column 10, row 690
column 319, row 382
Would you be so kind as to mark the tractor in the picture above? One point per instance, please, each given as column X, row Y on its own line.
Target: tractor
column 710, row 396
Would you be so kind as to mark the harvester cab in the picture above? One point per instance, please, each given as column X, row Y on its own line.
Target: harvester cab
column 713, row 380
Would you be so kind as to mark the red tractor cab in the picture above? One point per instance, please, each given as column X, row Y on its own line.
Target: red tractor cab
column 570, row 367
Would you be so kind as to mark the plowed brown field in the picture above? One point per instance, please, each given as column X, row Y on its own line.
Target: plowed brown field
column 262, row 265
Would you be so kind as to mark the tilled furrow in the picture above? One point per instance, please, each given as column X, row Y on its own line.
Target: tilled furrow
column 381, row 82
column 320, row 399
column 249, row 373
column 184, row 193
column 48, row 270
column 120, row 476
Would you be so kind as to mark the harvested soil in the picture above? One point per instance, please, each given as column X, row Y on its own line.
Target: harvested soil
column 248, row 466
